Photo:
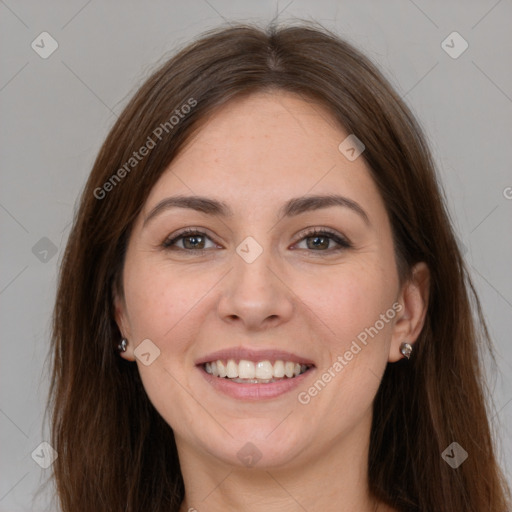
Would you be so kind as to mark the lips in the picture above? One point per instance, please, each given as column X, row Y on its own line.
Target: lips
column 254, row 374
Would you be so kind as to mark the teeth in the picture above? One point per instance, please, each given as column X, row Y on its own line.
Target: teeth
column 221, row 369
column 264, row 370
column 246, row 370
column 249, row 372
column 231, row 369
column 279, row 369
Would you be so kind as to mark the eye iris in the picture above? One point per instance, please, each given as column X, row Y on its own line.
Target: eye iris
column 316, row 244
column 194, row 242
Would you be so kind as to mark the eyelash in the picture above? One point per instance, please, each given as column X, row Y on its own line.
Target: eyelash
column 190, row 232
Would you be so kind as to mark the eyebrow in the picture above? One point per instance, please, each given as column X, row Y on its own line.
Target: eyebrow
column 291, row 208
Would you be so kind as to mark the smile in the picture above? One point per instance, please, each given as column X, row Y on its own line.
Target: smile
column 250, row 374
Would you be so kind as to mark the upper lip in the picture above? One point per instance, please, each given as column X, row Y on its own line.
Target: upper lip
column 248, row 354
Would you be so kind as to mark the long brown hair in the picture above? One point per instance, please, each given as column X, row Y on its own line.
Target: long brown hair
column 115, row 452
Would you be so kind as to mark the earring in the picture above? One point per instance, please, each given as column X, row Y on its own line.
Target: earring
column 406, row 349
column 122, row 346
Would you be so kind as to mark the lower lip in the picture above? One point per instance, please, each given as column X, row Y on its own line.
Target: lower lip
column 254, row 391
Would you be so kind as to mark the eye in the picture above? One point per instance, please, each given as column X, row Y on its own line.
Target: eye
column 319, row 240
column 191, row 239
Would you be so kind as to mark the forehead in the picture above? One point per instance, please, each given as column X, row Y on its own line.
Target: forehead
column 261, row 149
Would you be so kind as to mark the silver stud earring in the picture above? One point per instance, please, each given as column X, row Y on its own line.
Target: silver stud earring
column 122, row 346
column 406, row 349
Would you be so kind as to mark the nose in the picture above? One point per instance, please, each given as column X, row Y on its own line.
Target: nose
column 255, row 295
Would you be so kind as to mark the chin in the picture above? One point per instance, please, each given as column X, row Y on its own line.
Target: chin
column 255, row 444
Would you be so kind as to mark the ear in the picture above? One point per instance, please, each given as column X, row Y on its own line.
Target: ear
column 122, row 321
column 413, row 298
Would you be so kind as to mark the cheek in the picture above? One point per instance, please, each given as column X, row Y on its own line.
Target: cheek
column 346, row 301
column 159, row 298
column 356, row 305
column 161, row 308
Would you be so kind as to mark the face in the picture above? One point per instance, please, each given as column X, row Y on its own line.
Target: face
column 298, row 299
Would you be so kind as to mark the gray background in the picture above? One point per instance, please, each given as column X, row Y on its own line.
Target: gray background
column 55, row 113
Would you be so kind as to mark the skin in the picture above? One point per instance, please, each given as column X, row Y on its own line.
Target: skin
column 255, row 154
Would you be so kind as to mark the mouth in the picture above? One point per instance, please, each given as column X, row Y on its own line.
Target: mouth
column 248, row 374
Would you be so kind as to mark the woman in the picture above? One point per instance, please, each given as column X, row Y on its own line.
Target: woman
column 262, row 305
